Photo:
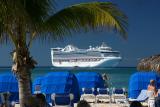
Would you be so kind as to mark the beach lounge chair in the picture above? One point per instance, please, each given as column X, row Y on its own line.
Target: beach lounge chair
column 88, row 95
column 142, row 96
column 145, row 97
column 103, row 95
column 37, row 89
column 118, row 95
column 62, row 100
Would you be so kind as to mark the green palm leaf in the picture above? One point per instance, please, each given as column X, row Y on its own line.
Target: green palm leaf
column 87, row 16
column 39, row 18
column 25, row 15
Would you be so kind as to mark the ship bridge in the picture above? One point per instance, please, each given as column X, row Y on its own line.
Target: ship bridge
column 70, row 48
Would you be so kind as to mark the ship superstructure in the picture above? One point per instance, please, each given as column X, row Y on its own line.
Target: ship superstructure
column 71, row 56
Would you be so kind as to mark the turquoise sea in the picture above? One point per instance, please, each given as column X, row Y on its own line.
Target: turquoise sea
column 118, row 77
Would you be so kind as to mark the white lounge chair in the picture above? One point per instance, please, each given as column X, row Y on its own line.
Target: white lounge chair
column 118, row 95
column 145, row 97
column 88, row 95
column 62, row 100
column 103, row 95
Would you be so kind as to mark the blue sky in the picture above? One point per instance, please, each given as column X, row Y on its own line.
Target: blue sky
column 143, row 35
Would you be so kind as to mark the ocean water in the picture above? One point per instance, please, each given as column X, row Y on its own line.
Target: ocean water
column 118, row 77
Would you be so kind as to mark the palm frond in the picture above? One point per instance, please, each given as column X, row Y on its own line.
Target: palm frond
column 24, row 15
column 120, row 18
column 38, row 9
column 87, row 16
column 23, row 19
column 3, row 37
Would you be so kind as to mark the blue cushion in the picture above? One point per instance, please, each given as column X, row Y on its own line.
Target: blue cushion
column 62, row 99
column 103, row 91
column 118, row 91
column 88, row 91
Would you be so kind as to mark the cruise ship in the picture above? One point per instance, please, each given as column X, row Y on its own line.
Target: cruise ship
column 71, row 56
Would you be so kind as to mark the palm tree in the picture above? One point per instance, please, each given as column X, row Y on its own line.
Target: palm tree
column 22, row 21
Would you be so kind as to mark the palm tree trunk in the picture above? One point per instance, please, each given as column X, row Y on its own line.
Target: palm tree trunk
column 24, row 82
column 22, row 67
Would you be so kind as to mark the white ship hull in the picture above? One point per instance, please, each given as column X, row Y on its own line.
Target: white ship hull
column 106, row 62
column 71, row 56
